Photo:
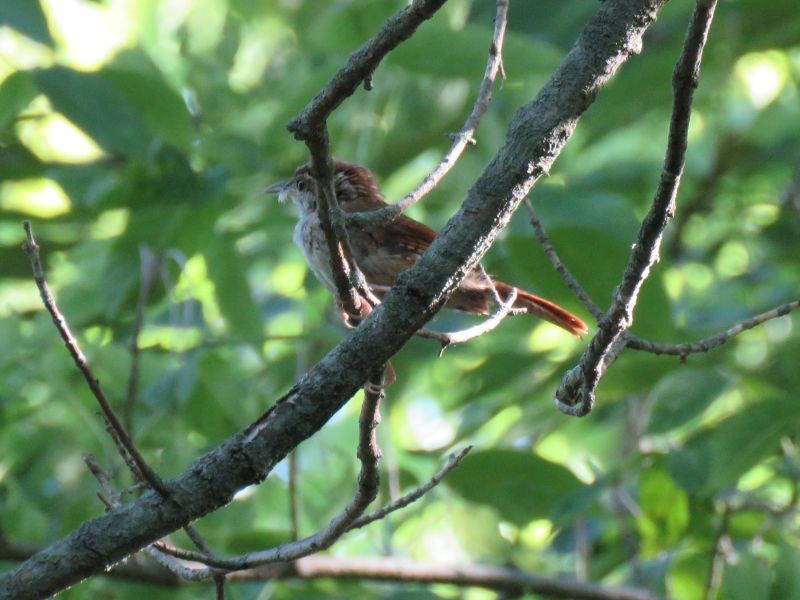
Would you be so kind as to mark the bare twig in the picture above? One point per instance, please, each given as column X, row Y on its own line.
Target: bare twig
column 452, row 462
column 219, row 586
column 721, row 550
column 462, row 139
column 116, row 427
column 727, row 151
column 149, row 266
column 185, row 571
column 575, row 395
column 361, row 65
column 372, row 569
column 713, row 341
column 635, row 342
column 130, row 454
column 102, row 478
column 251, row 561
column 367, row 489
column 465, row 335
column 562, row 269
column 510, row 580
column 294, row 496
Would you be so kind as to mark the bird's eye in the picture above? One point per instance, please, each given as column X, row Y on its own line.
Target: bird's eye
column 302, row 185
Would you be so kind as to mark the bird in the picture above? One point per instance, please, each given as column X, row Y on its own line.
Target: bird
column 383, row 251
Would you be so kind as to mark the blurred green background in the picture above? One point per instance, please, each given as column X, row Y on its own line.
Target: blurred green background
column 136, row 133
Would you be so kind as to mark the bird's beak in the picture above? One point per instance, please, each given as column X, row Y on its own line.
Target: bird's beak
column 277, row 188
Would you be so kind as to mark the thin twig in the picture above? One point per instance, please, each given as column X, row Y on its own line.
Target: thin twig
column 727, row 151
column 719, row 555
column 462, row 139
column 102, row 478
column 509, row 580
column 366, row 491
column 635, row 342
column 562, row 269
column 127, row 449
column 576, row 393
column 249, row 561
column 361, row 65
column 385, row 569
column 186, row 572
column 452, row 462
column 465, row 335
column 714, row 341
column 118, row 431
column 294, row 500
column 149, row 266
column 219, row 586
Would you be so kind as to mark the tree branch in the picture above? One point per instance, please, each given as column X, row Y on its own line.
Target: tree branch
column 375, row 569
column 536, row 136
column 576, row 393
column 559, row 266
column 714, row 341
column 460, row 337
column 128, row 450
column 367, row 490
column 504, row 579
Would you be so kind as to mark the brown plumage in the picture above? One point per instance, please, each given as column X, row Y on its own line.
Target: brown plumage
column 384, row 251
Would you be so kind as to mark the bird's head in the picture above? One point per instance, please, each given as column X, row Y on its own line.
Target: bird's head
column 352, row 184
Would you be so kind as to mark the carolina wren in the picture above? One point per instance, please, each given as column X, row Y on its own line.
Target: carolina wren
column 384, row 251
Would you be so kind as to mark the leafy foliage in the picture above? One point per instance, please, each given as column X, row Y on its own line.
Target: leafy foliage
column 160, row 142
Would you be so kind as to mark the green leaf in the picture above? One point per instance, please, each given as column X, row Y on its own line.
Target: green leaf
column 437, row 50
column 97, row 107
column 665, row 511
column 747, row 579
column 687, row 576
column 167, row 117
column 681, row 396
column 27, row 17
column 786, row 585
column 16, row 92
column 225, row 269
column 719, row 455
column 17, row 162
column 521, row 486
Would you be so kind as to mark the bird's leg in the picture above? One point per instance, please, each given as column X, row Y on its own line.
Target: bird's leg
column 389, row 377
column 351, row 321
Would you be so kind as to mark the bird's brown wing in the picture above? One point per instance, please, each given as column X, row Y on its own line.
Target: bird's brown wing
column 384, row 251
column 409, row 235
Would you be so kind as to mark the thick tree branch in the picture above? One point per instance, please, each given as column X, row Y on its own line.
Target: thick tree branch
column 375, row 569
column 575, row 395
column 536, row 136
